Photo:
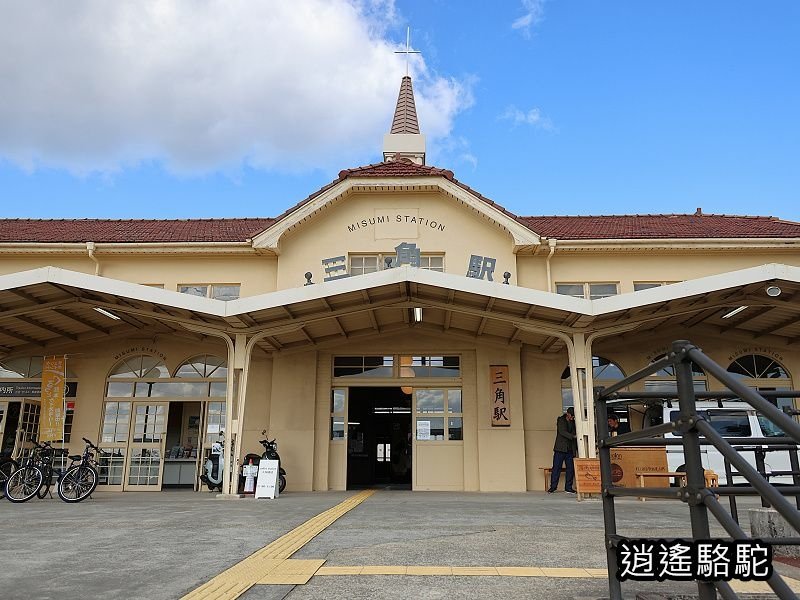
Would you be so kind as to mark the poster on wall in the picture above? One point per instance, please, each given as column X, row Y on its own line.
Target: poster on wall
column 500, row 401
column 423, row 430
column 51, row 418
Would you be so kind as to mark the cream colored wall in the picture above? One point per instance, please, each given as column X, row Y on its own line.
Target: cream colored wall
column 327, row 235
column 651, row 266
column 257, row 406
column 541, row 392
column 292, row 416
column 255, row 274
column 501, row 450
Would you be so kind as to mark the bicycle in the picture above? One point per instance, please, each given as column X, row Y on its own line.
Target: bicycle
column 35, row 477
column 7, row 466
column 80, row 479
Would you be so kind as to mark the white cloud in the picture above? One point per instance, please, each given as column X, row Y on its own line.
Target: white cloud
column 532, row 117
column 205, row 85
column 534, row 13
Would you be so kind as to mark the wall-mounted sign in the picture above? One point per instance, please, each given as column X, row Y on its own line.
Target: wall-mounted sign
column 140, row 350
column 500, row 399
column 401, row 218
column 481, row 266
column 756, row 350
column 51, row 418
column 32, row 389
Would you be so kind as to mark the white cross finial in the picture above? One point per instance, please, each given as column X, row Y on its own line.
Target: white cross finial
column 408, row 49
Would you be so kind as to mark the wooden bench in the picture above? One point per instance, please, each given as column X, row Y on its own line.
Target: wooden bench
column 548, row 474
column 711, row 478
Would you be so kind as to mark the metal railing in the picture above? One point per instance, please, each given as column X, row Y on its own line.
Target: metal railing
column 694, row 432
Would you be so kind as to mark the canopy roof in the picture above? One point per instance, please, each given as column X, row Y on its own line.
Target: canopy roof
column 47, row 308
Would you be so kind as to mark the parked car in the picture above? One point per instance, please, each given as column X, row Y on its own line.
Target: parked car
column 732, row 419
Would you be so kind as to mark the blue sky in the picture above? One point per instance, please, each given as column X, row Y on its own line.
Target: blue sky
column 554, row 107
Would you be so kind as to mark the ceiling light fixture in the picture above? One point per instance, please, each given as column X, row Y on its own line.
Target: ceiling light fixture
column 417, row 314
column 773, row 291
column 108, row 314
column 735, row 311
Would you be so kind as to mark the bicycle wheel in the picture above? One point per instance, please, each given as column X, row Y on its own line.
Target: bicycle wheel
column 47, row 481
column 77, row 483
column 23, row 484
column 6, row 469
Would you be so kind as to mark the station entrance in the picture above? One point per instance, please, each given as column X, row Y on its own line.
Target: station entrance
column 379, row 444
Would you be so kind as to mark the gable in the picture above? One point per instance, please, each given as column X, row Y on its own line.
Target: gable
column 375, row 222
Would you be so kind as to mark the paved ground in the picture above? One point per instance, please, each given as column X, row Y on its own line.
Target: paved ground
column 162, row 545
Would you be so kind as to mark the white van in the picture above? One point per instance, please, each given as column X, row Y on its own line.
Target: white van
column 733, row 419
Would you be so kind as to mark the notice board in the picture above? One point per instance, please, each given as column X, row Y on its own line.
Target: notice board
column 626, row 461
column 587, row 475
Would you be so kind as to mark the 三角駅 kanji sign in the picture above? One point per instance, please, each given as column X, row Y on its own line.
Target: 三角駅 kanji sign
column 500, row 399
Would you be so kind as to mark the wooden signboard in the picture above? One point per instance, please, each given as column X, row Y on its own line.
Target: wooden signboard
column 625, row 462
column 587, row 476
column 500, row 401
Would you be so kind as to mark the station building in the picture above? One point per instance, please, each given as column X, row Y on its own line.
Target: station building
column 393, row 328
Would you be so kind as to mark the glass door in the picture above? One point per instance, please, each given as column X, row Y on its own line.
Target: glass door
column 146, row 446
column 27, row 429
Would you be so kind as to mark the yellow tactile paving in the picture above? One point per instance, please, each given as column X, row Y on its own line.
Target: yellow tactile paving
column 235, row 581
column 491, row 571
column 383, row 570
column 292, row 572
column 564, row 572
column 341, row 570
column 520, row 572
column 429, row 571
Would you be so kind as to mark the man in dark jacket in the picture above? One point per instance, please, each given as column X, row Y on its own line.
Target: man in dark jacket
column 564, row 450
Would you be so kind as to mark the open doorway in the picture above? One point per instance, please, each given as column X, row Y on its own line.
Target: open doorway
column 379, row 438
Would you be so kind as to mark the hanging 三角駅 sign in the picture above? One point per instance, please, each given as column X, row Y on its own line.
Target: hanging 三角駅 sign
column 500, row 399
column 51, row 417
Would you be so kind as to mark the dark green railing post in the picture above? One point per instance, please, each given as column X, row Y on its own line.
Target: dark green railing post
column 609, row 513
column 695, row 476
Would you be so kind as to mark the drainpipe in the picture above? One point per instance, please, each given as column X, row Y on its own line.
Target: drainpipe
column 90, row 249
column 552, row 243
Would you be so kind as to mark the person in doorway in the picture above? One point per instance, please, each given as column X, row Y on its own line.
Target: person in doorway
column 564, row 450
column 615, row 427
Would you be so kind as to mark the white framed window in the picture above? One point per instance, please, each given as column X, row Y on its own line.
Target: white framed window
column 369, row 263
column 638, row 286
column 364, row 263
column 593, row 291
column 338, row 409
column 217, row 291
column 438, row 414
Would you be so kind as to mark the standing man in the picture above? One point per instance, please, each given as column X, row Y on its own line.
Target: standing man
column 564, row 450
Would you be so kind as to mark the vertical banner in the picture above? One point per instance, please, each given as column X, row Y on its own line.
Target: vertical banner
column 51, row 418
column 500, row 399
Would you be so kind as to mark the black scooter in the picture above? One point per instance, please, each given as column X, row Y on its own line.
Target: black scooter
column 271, row 453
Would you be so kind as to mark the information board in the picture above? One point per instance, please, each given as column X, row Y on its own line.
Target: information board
column 587, row 475
column 267, row 482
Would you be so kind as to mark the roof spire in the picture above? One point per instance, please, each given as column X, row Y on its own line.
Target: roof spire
column 404, row 141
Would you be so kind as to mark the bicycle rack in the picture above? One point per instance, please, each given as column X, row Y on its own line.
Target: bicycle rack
column 695, row 432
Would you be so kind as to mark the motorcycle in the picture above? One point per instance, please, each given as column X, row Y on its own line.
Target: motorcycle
column 271, row 453
column 214, row 466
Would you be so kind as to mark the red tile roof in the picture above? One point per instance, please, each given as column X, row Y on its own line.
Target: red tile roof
column 661, row 227
column 239, row 230
column 130, row 230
